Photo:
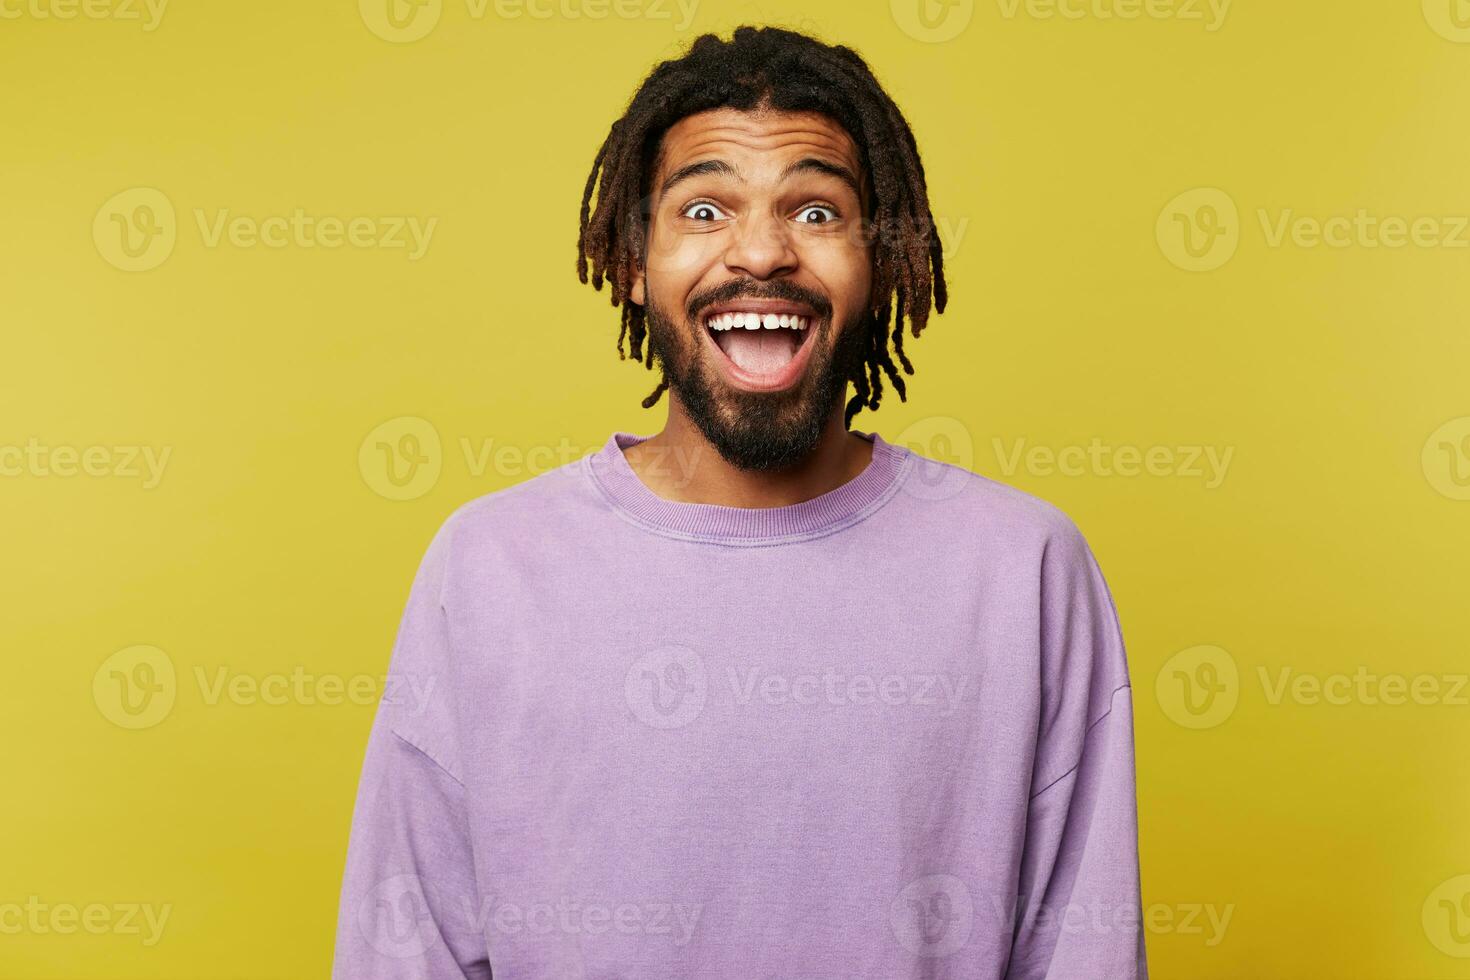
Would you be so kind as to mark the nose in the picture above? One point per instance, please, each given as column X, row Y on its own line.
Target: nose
column 761, row 247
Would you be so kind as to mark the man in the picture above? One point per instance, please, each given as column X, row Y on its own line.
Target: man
column 757, row 696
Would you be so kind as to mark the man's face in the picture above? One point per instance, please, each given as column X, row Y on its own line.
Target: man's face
column 756, row 277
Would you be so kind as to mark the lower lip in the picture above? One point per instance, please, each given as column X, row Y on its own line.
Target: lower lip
column 788, row 375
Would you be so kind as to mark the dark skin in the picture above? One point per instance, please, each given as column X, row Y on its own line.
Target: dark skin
column 787, row 204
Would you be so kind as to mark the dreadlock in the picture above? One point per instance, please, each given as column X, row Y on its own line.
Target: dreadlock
column 786, row 71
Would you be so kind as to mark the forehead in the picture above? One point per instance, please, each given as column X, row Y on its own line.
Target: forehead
column 755, row 137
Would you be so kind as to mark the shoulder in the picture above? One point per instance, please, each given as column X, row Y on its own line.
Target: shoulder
column 509, row 518
column 968, row 502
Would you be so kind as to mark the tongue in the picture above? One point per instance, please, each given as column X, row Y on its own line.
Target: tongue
column 757, row 351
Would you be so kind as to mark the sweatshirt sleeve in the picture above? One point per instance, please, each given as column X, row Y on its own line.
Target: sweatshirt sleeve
column 409, row 902
column 1080, row 903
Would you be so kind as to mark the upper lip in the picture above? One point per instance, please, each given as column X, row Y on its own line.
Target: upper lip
column 777, row 306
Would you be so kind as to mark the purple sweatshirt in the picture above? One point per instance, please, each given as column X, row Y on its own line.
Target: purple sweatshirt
column 882, row 733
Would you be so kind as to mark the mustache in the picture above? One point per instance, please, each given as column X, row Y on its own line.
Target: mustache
column 750, row 289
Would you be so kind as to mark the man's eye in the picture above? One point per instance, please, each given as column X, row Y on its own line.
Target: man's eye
column 816, row 214
column 702, row 211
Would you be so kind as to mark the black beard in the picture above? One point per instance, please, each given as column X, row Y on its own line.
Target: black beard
column 756, row 430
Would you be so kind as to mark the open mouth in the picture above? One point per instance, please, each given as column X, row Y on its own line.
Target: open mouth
column 764, row 347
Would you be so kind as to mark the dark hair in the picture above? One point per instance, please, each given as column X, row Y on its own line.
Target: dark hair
column 773, row 68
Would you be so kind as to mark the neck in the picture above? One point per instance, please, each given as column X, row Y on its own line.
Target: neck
column 681, row 465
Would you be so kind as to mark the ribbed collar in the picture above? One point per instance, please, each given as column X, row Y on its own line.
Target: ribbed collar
column 832, row 511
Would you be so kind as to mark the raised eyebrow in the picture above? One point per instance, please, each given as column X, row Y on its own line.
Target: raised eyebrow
column 698, row 170
column 804, row 165
column 815, row 165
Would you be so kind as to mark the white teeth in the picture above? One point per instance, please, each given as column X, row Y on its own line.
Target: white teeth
column 756, row 321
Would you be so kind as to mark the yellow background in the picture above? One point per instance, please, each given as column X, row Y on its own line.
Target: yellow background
column 1336, row 541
